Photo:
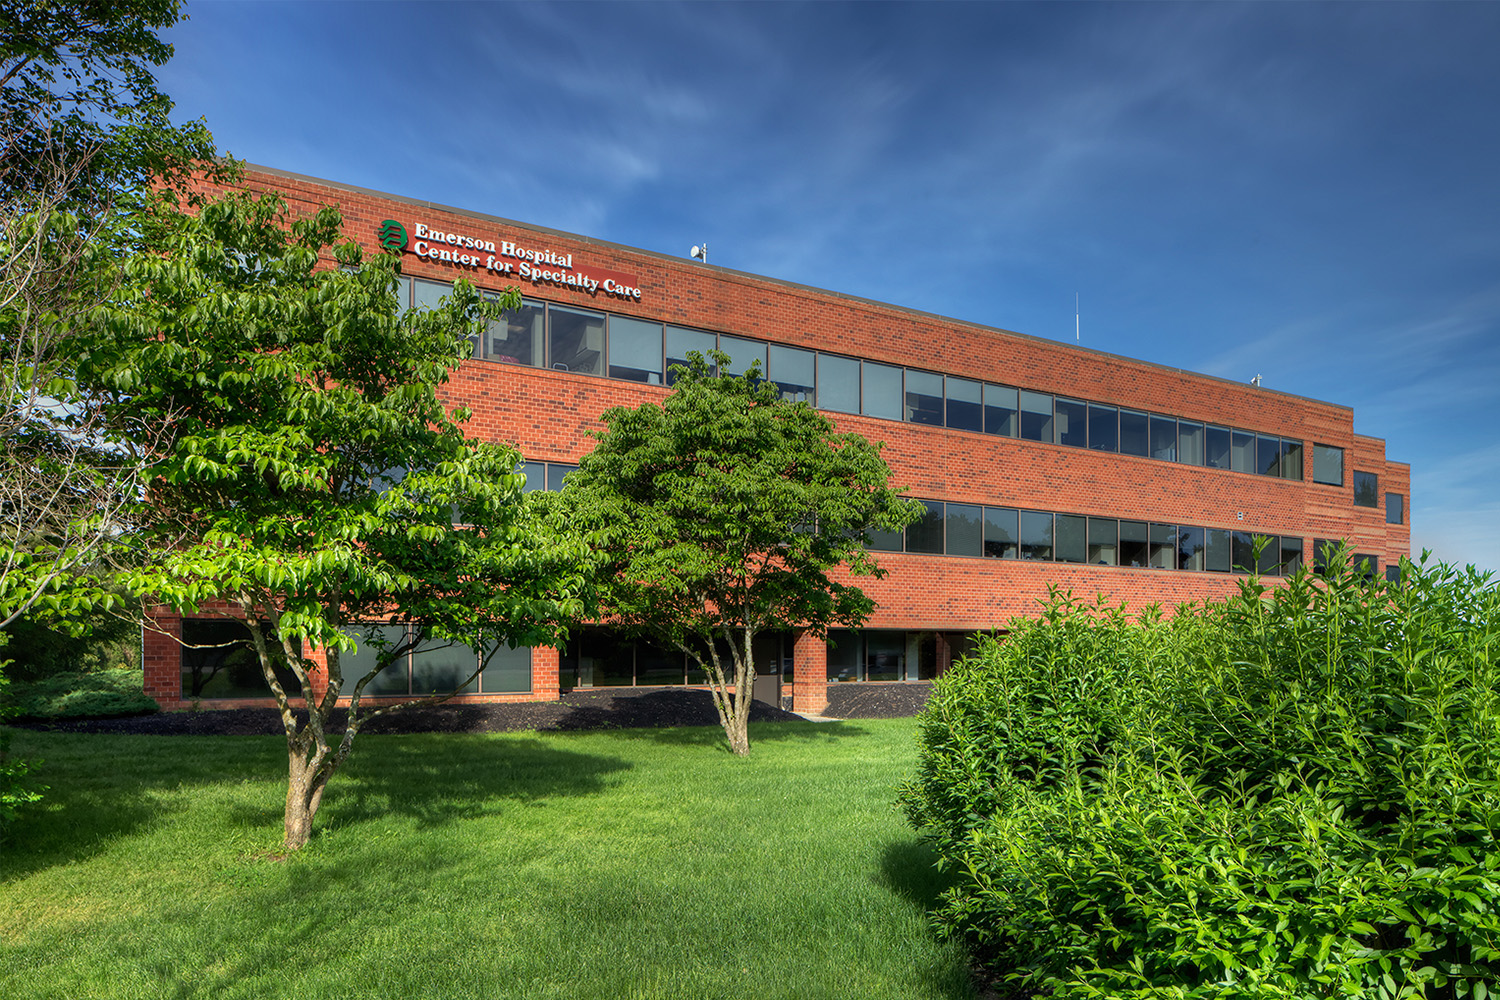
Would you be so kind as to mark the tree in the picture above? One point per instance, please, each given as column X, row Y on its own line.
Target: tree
column 724, row 513
column 312, row 480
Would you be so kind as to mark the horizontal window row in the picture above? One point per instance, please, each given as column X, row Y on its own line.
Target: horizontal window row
column 567, row 338
column 219, row 661
column 959, row 529
column 1326, row 550
column 601, row 657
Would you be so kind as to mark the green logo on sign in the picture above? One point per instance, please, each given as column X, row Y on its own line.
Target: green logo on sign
column 392, row 235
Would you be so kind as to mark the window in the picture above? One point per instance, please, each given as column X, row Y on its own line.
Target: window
column 1135, row 546
column 1291, row 460
column 516, row 337
column 742, row 354
column 1164, row 439
column 1395, row 508
column 1036, row 535
column 843, row 655
column 1001, row 411
column 1216, row 551
column 536, row 475
column 1366, row 565
column 556, row 474
column 432, row 666
column 1135, row 433
column 1189, row 443
column 1242, row 551
column 1163, row 546
column 885, row 656
column 882, row 540
column 1216, row 447
column 1268, row 456
column 1104, row 428
column 575, row 340
column 1392, row 574
column 1001, row 533
column 965, row 529
column 1241, row 451
column 1191, row 549
column 1072, row 423
column 441, row 665
column 926, row 533
column 1328, row 465
column 792, row 369
column 1036, row 416
column 838, row 383
column 1104, row 536
column 1325, row 553
column 924, row 398
column 428, row 294
column 1291, row 555
column 1269, row 562
column 681, row 342
column 219, row 661
column 965, row 404
column 881, row 390
column 1070, row 532
column 635, row 350
column 1366, row 489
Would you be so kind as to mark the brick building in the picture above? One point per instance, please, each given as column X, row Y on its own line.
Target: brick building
column 1041, row 463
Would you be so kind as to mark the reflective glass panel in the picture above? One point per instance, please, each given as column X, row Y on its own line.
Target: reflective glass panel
column 880, row 390
column 575, row 340
column 1036, row 535
column 1104, row 540
column 1072, row 423
column 885, row 541
column 1000, row 411
column 1036, row 416
column 1070, row 533
column 1366, row 489
column 439, row 666
column 791, row 368
column 429, row 294
column 1190, row 548
column 1189, row 443
column 742, row 354
column 965, row 530
column 1395, row 508
column 556, row 474
column 1163, row 438
column 1216, row 554
column 1366, row 564
column 843, row 654
column 1291, row 459
column 1242, row 551
column 885, row 655
column 355, row 665
column 1001, row 534
column 1216, row 448
column 1104, row 428
column 635, row 350
column 657, row 665
column 1269, row 563
column 1328, row 465
column 516, row 337
column 926, row 533
column 965, row 404
column 1135, row 543
column 1291, row 555
column 1135, row 433
column 680, row 342
column 838, row 383
column 1242, row 451
column 536, row 475
column 1268, row 456
column 1163, row 546
column 924, row 398
column 506, row 670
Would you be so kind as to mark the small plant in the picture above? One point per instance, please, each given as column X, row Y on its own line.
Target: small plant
column 1292, row 793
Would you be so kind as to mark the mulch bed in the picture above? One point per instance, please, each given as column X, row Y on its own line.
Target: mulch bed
column 595, row 709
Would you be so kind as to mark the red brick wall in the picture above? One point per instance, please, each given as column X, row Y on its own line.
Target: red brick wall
column 549, row 414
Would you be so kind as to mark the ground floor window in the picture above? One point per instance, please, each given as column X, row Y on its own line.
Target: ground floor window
column 219, row 661
column 886, row 654
column 603, row 657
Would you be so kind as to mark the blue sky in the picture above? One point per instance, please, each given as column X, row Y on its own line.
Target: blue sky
column 1303, row 191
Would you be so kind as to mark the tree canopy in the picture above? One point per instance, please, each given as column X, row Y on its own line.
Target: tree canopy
column 726, row 512
column 311, row 479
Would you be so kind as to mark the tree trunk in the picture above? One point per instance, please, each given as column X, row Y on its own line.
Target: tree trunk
column 304, row 793
column 738, row 728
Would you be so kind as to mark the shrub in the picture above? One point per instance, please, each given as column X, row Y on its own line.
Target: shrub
column 1291, row 793
column 102, row 693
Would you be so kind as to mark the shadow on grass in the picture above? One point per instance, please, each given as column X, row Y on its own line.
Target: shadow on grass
column 909, row 869
column 711, row 737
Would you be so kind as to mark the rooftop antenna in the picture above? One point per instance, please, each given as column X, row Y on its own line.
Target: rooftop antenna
column 1256, row 380
column 701, row 252
column 1077, row 325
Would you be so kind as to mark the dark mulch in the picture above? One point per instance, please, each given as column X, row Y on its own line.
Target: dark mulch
column 621, row 709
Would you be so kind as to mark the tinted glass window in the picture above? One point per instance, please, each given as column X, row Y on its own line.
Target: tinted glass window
column 1164, row 439
column 924, row 398
column 1190, row 548
column 635, row 350
column 1189, row 443
column 1216, row 550
column 505, row 669
column 742, row 354
column 1104, row 428
column 1163, row 546
column 1291, row 554
column 1291, row 460
column 1071, row 535
column 1393, row 574
column 354, row 666
column 1242, row 551
column 429, row 294
column 881, row 391
column 926, row 534
column 843, row 655
column 1001, row 534
column 1135, row 547
column 885, row 656
column 1072, row 423
column 575, row 340
column 1366, row 564
column 1268, row 456
column 1269, row 563
column 886, row 541
column 1395, row 508
column 1366, row 489
column 681, row 342
column 1242, row 452
column 1135, row 433
column 1036, row 416
column 439, row 666
column 792, row 370
column 556, row 474
column 536, row 476
column 1328, row 465
column 1216, row 447
column 838, row 383
column 516, row 337
column 1001, row 414
column 965, row 404
column 965, row 530
column 1104, row 540
column 1036, row 535
column 1325, row 552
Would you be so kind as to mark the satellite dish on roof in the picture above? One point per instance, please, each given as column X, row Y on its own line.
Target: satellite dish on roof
column 701, row 252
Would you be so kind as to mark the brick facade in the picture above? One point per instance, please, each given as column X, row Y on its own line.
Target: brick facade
column 548, row 415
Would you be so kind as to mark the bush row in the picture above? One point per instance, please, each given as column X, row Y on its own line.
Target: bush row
column 1292, row 793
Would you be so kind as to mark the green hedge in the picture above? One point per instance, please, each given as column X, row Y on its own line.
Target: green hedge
column 100, row 693
column 1293, row 793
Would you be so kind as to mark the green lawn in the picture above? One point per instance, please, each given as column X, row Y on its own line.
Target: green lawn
column 648, row 863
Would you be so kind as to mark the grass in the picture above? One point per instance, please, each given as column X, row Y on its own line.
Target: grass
column 632, row 864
